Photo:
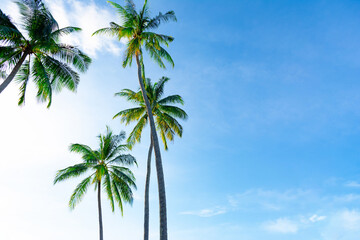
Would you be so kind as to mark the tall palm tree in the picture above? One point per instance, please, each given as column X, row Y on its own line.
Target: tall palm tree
column 166, row 124
column 106, row 168
column 136, row 29
column 37, row 53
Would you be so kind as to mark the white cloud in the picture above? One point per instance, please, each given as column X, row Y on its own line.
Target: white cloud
column 205, row 212
column 281, row 225
column 347, row 197
column 350, row 219
column 352, row 184
column 316, row 218
column 343, row 224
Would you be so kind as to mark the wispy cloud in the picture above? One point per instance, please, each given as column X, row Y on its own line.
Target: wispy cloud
column 350, row 197
column 350, row 219
column 316, row 218
column 352, row 184
column 270, row 200
column 344, row 224
column 206, row 212
column 281, row 225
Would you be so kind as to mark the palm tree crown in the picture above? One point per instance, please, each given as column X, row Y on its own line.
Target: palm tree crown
column 136, row 28
column 37, row 52
column 165, row 114
column 105, row 166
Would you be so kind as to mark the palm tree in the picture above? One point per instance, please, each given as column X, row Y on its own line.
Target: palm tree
column 136, row 29
column 106, row 168
column 38, row 53
column 166, row 124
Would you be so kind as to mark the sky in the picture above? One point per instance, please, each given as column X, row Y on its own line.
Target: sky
column 270, row 149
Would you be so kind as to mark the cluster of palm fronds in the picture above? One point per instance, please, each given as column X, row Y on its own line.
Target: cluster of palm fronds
column 35, row 52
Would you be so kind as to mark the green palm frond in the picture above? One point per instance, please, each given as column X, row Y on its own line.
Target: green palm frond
column 159, row 87
column 8, row 31
column 73, row 56
column 79, row 192
column 131, row 96
column 63, row 32
column 70, row 172
column 108, row 189
column 42, row 80
column 170, row 121
column 130, row 115
column 155, row 22
column 116, row 150
column 154, row 54
column 173, row 111
column 122, row 11
column 23, row 78
column 9, row 56
column 62, row 74
column 125, row 189
column 135, row 135
column 37, row 19
column 124, row 182
column 125, row 159
column 124, row 174
column 171, row 99
column 163, row 137
column 87, row 154
column 109, row 31
column 116, row 192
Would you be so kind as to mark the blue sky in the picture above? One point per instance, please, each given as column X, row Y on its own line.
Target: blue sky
column 270, row 149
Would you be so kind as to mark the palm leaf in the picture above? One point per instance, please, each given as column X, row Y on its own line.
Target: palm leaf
column 117, row 195
column 173, row 111
column 70, row 172
column 130, row 115
column 107, row 186
column 63, row 75
column 159, row 87
column 23, row 78
column 171, row 99
column 135, row 135
column 42, row 79
column 156, row 21
column 64, row 31
column 79, row 192
column 87, row 154
column 124, row 159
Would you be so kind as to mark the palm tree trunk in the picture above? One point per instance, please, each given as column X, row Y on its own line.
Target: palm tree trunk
column 100, row 214
column 13, row 72
column 147, row 187
column 158, row 161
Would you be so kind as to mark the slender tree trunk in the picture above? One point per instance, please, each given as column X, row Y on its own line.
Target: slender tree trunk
column 13, row 72
column 158, row 161
column 147, row 187
column 100, row 214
